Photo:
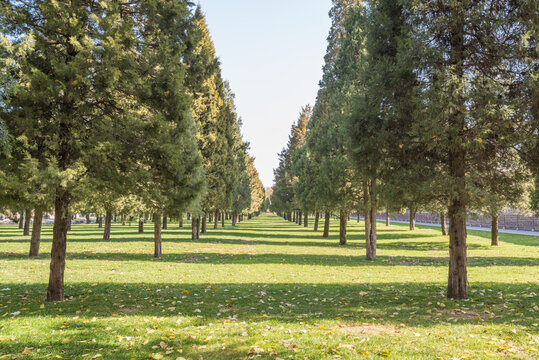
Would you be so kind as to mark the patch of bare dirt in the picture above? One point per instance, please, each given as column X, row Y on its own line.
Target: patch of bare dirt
column 367, row 328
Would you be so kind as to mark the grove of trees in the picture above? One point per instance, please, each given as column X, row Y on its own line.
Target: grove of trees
column 422, row 105
column 117, row 109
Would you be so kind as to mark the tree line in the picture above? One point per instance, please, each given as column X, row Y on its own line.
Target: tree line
column 429, row 105
column 117, row 108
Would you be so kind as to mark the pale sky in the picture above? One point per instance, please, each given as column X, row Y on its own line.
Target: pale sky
column 272, row 53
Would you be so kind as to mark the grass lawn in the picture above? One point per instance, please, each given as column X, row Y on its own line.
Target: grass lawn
column 268, row 289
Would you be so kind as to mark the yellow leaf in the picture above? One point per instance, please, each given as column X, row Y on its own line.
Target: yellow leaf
column 26, row 351
column 385, row 353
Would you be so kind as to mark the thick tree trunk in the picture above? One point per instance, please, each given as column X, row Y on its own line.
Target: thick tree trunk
column 458, row 277
column 157, row 253
column 316, row 220
column 70, row 220
column 493, row 231
column 27, row 218
column 443, row 221
column 87, row 218
column 216, row 220
column 234, row 219
column 141, row 226
column 108, row 224
column 203, row 224
column 412, row 219
column 36, row 233
column 55, row 290
column 342, row 228
column 306, row 220
column 388, row 221
column 326, row 225
column 193, row 228
column 100, row 221
column 165, row 222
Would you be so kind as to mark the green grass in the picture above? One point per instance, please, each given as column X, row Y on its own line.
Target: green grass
column 268, row 289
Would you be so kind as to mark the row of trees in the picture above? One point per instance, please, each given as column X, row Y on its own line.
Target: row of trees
column 117, row 107
column 422, row 105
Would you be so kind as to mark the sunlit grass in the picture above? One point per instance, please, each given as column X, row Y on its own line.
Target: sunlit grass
column 269, row 289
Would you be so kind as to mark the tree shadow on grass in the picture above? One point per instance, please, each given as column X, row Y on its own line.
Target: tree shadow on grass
column 280, row 258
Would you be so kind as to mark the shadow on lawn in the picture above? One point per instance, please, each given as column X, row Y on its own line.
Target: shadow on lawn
column 282, row 302
column 279, row 258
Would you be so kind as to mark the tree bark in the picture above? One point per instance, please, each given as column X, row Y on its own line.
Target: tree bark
column 223, row 219
column 198, row 227
column 388, row 221
column 108, row 224
column 87, row 218
column 412, row 218
column 203, row 224
column 157, row 253
column 21, row 221
column 326, row 225
column 300, row 218
column 306, row 220
column 70, row 220
column 216, row 220
column 342, row 228
column 141, row 226
column 493, row 231
column 234, row 219
column 188, row 216
column 100, row 221
column 27, row 218
column 55, row 290
column 165, row 222
column 193, row 228
column 443, row 221
column 36, row 233
column 122, row 217
column 369, row 201
column 181, row 221
column 316, row 220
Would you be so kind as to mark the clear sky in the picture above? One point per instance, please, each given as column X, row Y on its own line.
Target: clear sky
column 272, row 54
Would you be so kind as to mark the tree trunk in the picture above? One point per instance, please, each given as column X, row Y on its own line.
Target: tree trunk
column 369, row 201
column 326, row 225
column 100, row 221
column 36, row 233
column 181, row 220
column 21, row 221
column 198, row 227
column 443, row 221
column 306, row 220
column 412, row 218
column 188, row 216
column 123, row 219
column 316, row 220
column 157, row 253
column 193, row 228
column 108, row 224
column 203, row 224
column 223, row 219
column 165, row 222
column 249, row 217
column 141, row 226
column 55, row 290
column 70, row 220
column 27, row 218
column 294, row 217
column 493, row 231
column 300, row 218
column 234, row 219
column 87, row 218
column 342, row 228
column 388, row 221
column 216, row 220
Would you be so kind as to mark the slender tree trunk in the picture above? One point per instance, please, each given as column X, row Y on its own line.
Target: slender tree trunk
column 157, row 235
column 36, row 233
column 27, row 218
column 55, row 290
column 342, row 228
column 388, row 221
column 181, row 220
column 87, row 218
column 108, row 224
column 294, row 217
column 193, row 228
column 369, row 200
column 123, row 219
column 316, row 220
column 326, row 225
column 358, row 215
column 216, row 223
column 306, row 220
column 443, row 221
column 493, row 231
column 99, row 221
column 141, row 226
column 188, row 216
column 165, row 222
column 234, row 219
column 203, row 224
column 198, row 227
column 300, row 216
column 249, row 216
column 21, row 221
column 223, row 219
column 412, row 218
